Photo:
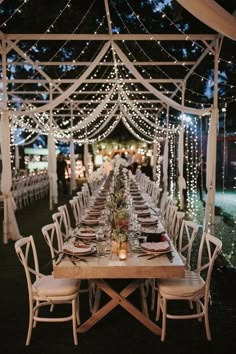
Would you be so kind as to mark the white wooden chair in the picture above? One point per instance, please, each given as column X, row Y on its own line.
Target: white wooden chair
column 45, row 290
column 163, row 206
column 67, row 222
column 187, row 236
column 194, row 287
column 54, row 241
column 82, row 203
column 175, row 226
column 59, row 219
column 74, row 203
column 170, row 218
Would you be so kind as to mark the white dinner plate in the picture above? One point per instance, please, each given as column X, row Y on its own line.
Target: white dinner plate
column 142, row 213
column 139, row 203
column 158, row 247
column 70, row 248
column 86, row 233
column 94, row 212
column 90, row 221
column 151, row 220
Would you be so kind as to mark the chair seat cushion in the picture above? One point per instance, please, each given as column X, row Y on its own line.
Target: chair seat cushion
column 190, row 287
column 49, row 286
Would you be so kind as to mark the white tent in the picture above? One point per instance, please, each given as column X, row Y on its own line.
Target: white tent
column 114, row 85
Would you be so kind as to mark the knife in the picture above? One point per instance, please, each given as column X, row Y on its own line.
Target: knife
column 158, row 255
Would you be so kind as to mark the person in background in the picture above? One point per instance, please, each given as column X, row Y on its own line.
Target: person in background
column 134, row 163
column 146, row 167
column 129, row 161
column 62, row 168
column 123, row 160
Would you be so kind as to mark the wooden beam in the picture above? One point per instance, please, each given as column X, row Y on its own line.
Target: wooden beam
column 147, row 101
column 89, row 81
column 87, row 63
column 81, row 92
column 107, row 37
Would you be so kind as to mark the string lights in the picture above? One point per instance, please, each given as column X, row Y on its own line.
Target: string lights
column 18, row 10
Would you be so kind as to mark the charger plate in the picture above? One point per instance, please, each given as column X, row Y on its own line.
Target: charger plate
column 80, row 249
column 148, row 221
column 86, row 233
column 157, row 247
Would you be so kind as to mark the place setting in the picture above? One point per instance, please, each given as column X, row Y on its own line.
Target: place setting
column 148, row 221
column 90, row 220
column 154, row 249
column 86, row 233
column 78, row 249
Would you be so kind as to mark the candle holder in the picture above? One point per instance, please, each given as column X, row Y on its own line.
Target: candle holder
column 122, row 254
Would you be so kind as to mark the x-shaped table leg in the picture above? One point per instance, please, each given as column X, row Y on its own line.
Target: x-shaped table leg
column 118, row 299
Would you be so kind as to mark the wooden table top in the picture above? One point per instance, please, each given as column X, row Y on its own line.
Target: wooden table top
column 110, row 267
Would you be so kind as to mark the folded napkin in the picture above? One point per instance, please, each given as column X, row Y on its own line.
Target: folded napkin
column 155, row 237
column 143, row 214
column 141, row 208
column 149, row 224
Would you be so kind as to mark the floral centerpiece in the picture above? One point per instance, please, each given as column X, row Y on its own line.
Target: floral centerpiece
column 118, row 206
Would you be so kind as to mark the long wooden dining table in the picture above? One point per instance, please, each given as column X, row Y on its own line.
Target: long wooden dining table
column 135, row 268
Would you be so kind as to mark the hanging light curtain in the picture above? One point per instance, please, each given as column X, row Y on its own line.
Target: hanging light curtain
column 152, row 89
column 211, row 161
column 165, row 164
column 10, row 227
column 61, row 98
column 52, row 170
column 72, row 166
column 181, row 180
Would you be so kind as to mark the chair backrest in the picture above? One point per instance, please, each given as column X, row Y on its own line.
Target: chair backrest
column 176, row 226
column 53, row 239
column 163, row 205
column 155, row 194
column 59, row 219
column 63, row 209
column 187, row 235
column 74, row 203
column 27, row 254
column 170, row 218
column 87, row 187
column 85, row 196
column 82, row 203
column 210, row 247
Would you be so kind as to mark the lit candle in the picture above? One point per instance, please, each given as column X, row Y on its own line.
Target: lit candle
column 122, row 254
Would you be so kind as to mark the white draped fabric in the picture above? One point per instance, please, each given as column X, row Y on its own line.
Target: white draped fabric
column 10, row 227
column 181, row 180
column 104, row 124
column 211, row 162
column 165, row 164
column 142, row 116
column 72, row 166
column 152, row 89
column 71, row 89
column 213, row 15
column 52, row 171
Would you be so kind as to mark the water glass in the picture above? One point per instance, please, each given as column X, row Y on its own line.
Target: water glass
column 142, row 239
column 101, row 242
column 101, row 247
